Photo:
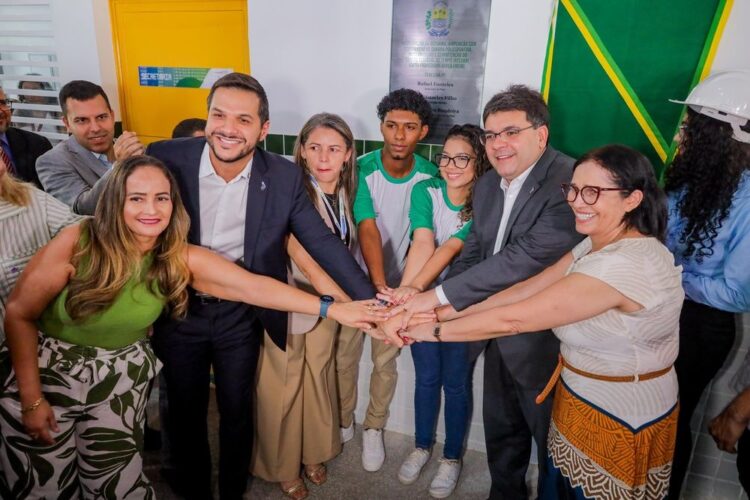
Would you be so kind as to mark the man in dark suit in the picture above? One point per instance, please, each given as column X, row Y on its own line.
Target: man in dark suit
column 242, row 202
column 522, row 224
column 21, row 147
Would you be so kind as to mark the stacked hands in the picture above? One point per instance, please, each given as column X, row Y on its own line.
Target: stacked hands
column 411, row 316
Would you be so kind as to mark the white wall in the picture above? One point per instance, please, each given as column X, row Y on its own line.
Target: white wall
column 333, row 55
column 337, row 58
column 83, row 37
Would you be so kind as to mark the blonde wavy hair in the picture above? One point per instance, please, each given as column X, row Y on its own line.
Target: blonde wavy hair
column 107, row 256
column 13, row 190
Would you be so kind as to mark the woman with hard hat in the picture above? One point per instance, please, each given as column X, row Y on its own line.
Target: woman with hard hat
column 709, row 233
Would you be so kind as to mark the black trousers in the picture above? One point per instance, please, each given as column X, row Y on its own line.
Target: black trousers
column 224, row 335
column 511, row 417
column 706, row 338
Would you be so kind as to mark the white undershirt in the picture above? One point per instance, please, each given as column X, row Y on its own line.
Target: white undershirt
column 510, row 194
column 223, row 207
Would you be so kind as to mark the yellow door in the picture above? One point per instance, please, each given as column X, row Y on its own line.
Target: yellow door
column 166, row 50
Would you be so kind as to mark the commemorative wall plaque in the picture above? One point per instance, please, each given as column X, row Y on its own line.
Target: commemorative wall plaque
column 438, row 48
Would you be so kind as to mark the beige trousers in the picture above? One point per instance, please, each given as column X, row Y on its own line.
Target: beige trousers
column 297, row 417
column 382, row 380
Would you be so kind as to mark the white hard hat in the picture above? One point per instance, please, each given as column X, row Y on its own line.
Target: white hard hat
column 726, row 97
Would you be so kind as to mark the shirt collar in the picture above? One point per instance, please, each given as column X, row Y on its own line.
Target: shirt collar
column 101, row 157
column 206, row 169
column 4, row 139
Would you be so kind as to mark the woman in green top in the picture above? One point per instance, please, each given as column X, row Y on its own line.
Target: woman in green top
column 440, row 216
column 71, row 412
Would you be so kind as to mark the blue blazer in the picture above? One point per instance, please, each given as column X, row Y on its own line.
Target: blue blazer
column 277, row 205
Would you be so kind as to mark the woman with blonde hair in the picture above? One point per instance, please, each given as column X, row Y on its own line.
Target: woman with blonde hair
column 29, row 218
column 302, row 426
column 71, row 413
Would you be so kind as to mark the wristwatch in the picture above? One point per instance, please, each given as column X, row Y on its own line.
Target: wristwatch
column 436, row 332
column 325, row 303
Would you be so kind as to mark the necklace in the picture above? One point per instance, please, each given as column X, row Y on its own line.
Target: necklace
column 333, row 200
column 337, row 201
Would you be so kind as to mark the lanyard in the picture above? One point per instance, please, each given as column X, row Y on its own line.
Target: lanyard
column 341, row 224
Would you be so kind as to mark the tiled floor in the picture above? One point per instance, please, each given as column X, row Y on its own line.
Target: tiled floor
column 713, row 473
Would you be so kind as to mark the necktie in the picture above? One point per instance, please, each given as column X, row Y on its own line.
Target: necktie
column 105, row 161
column 6, row 159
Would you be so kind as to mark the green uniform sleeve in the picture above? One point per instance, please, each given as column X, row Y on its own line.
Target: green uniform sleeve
column 363, row 208
column 462, row 233
column 420, row 211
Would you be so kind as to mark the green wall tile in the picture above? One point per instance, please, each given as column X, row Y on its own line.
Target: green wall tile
column 423, row 150
column 275, row 143
column 289, row 144
column 372, row 145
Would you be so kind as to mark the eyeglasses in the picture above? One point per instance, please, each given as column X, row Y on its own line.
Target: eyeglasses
column 589, row 194
column 6, row 103
column 488, row 136
column 460, row 161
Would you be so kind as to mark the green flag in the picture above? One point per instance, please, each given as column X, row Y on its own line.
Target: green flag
column 611, row 68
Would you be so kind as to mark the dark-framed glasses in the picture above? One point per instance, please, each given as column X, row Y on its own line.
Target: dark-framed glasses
column 460, row 161
column 589, row 194
column 6, row 103
column 489, row 136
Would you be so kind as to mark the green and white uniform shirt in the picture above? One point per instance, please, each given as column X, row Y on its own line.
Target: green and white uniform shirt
column 432, row 209
column 387, row 200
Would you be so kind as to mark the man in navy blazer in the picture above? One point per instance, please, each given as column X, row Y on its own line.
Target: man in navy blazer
column 243, row 202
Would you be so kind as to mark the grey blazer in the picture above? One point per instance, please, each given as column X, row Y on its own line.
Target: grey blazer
column 72, row 174
column 540, row 230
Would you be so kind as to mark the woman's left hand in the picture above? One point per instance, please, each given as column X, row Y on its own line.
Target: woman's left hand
column 358, row 314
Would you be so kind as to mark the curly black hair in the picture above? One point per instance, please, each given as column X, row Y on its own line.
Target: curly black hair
column 471, row 134
column 407, row 100
column 708, row 168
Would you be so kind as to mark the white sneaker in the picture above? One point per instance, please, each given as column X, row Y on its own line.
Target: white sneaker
column 347, row 433
column 446, row 478
column 373, row 450
column 412, row 466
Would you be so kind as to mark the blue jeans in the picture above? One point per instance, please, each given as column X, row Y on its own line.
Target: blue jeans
column 443, row 365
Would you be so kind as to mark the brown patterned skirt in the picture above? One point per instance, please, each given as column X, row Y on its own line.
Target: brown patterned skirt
column 592, row 454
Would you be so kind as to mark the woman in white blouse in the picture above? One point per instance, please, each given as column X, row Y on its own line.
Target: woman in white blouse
column 29, row 218
column 614, row 302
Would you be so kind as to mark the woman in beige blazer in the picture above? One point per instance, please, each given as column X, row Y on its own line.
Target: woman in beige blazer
column 296, row 395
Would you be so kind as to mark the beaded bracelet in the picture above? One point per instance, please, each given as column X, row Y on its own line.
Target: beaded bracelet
column 33, row 406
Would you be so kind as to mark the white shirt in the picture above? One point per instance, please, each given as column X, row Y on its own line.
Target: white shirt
column 510, row 194
column 223, row 207
column 615, row 343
